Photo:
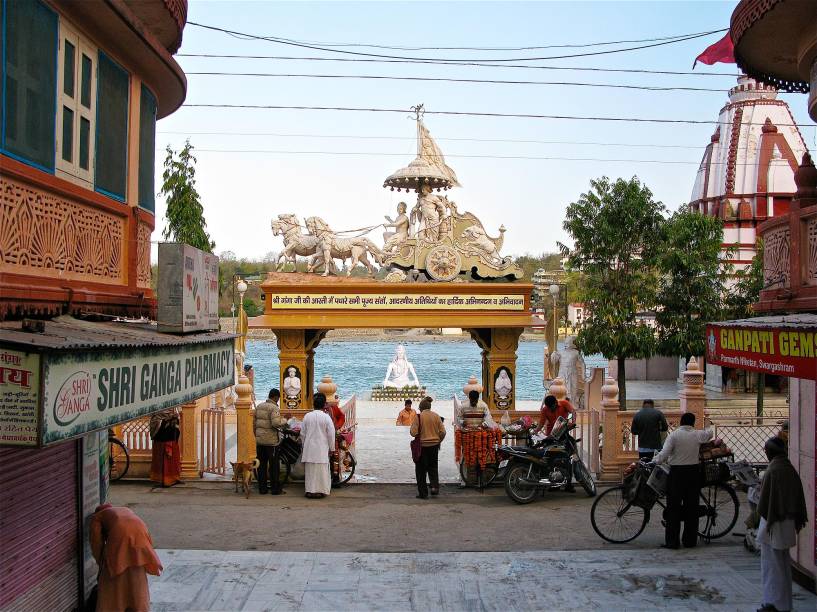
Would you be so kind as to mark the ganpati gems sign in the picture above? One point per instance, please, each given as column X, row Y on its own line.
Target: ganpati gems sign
column 392, row 301
column 784, row 351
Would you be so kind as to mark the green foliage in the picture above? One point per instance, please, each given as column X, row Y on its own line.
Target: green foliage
column 691, row 284
column 185, row 214
column 746, row 289
column 616, row 232
column 252, row 308
column 531, row 263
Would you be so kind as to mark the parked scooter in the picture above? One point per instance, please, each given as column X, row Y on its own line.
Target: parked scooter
column 545, row 465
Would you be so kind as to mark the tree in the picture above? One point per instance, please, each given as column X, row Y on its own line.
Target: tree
column 745, row 290
column 185, row 214
column 691, row 285
column 615, row 229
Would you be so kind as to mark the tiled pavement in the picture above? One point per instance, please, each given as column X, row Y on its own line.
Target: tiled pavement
column 703, row 579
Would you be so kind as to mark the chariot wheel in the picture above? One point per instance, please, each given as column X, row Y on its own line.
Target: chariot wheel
column 443, row 263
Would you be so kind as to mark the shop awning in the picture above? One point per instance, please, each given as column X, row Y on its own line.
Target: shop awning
column 785, row 345
column 74, row 376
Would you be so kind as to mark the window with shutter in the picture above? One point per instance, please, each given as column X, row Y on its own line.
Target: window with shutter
column 147, row 150
column 76, row 89
column 111, row 167
column 29, row 44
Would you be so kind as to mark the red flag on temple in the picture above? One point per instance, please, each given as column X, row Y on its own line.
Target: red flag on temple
column 722, row 51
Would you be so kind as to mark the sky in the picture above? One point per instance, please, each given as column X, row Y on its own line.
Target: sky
column 254, row 164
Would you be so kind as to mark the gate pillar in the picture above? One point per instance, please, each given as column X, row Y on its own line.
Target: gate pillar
column 189, row 442
column 498, row 346
column 297, row 359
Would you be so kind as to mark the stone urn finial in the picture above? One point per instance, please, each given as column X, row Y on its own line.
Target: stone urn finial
column 692, row 376
column 558, row 388
column 609, row 390
column 472, row 385
column 328, row 388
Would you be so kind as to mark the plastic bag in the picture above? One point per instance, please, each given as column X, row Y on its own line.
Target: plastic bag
column 505, row 420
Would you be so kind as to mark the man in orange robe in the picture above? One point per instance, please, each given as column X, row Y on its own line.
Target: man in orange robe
column 406, row 415
column 122, row 547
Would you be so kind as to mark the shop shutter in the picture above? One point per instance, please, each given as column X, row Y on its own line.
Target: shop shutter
column 112, row 91
column 39, row 528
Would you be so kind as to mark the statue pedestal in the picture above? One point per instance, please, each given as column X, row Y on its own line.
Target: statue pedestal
column 394, row 394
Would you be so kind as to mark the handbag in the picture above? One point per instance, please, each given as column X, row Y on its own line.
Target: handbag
column 416, row 448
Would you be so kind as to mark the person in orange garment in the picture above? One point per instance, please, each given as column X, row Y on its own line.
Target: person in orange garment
column 122, row 547
column 406, row 415
column 166, row 460
column 551, row 410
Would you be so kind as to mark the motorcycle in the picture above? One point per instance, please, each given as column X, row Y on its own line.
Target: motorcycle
column 544, row 465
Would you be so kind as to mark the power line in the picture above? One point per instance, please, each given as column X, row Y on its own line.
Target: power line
column 476, row 114
column 280, row 41
column 463, row 156
column 529, row 48
column 414, row 138
column 469, row 64
column 453, row 80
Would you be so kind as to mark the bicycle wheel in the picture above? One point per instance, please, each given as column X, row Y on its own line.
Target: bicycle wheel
column 470, row 477
column 720, row 509
column 118, row 458
column 346, row 467
column 284, row 471
column 615, row 519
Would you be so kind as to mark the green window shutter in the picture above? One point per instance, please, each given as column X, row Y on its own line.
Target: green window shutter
column 111, row 167
column 29, row 44
column 147, row 150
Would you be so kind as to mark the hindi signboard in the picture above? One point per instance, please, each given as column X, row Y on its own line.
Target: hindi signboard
column 187, row 288
column 19, row 395
column 93, row 390
column 784, row 351
column 395, row 301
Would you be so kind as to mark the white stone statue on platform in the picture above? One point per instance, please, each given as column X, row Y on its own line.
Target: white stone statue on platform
column 400, row 372
column 568, row 364
column 429, row 213
column 393, row 240
column 503, row 385
column 292, row 384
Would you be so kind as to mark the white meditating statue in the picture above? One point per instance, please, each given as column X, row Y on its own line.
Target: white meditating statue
column 400, row 372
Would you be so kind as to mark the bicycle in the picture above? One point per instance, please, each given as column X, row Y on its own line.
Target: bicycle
column 341, row 460
column 118, row 457
column 621, row 513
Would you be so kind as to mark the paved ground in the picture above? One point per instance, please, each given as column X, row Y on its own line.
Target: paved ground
column 721, row 579
column 375, row 546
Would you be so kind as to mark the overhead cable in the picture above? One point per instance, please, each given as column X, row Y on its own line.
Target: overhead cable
column 475, row 114
column 469, row 64
column 529, row 48
column 280, row 41
column 414, row 138
column 452, row 80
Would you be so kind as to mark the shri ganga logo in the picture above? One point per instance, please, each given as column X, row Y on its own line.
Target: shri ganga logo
column 73, row 399
column 711, row 343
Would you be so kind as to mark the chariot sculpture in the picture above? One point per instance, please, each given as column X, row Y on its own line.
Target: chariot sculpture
column 434, row 240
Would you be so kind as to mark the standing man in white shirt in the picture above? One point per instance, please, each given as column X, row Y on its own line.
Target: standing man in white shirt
column 318, row 437
column 680, row 452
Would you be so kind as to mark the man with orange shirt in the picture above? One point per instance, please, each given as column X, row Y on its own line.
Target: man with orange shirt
column 551, row 410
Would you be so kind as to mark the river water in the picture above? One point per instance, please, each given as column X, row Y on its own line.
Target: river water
column 442, row 366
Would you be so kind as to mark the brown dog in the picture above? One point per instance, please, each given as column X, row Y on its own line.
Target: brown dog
column 242, row 472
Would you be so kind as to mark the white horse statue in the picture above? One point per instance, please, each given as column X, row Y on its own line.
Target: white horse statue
column 331, row 247
column 295, row 243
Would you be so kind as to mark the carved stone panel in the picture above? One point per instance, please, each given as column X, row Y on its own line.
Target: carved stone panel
column 776, row 253
column 810, row 252
column 143, row 233
column 45, row 234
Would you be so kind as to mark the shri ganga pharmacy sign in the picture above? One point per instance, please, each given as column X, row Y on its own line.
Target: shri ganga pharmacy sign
column 53, row 396
column 784, row 351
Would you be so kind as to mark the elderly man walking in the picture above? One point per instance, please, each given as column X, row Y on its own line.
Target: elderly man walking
column 681, row 452
column 648, row 424
column 267, row 423
column 318, row 437
column 782, row 510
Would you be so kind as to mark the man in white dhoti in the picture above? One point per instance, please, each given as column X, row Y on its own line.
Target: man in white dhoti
column 318, row 437
column 782, row 510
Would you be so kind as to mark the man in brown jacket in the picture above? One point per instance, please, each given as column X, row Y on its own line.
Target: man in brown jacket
column 429, row 427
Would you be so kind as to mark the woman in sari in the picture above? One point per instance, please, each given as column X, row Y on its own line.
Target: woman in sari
column 166, row 464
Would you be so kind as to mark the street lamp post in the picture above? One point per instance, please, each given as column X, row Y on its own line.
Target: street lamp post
column 554, row 293
column 241, row 287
